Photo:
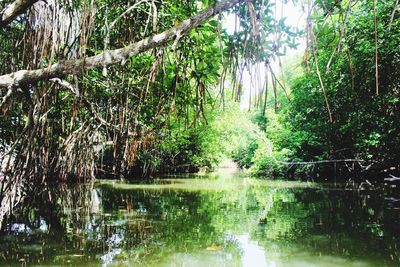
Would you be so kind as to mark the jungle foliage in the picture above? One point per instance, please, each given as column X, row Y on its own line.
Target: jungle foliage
column 341, row 55
column 126, row 102
column 95, row 88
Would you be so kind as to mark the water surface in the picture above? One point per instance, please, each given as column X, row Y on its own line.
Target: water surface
column 214, row 220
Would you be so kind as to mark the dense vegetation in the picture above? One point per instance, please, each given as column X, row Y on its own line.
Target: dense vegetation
column 119, row 88
column 133, row 88
column 364, row 114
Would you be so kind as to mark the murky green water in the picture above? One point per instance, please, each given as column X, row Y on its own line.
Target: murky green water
column 207, row 221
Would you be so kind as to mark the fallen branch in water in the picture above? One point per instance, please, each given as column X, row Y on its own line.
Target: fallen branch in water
column 321, row 161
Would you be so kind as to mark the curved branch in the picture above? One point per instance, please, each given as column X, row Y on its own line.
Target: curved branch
column 13, row 10
column 110, row 57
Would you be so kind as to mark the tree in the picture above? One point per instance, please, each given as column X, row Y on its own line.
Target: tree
column 364, row 124
column 93, row 87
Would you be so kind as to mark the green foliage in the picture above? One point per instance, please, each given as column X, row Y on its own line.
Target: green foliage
column 365, row 126
column 260, row 146
column 245, row 153
column 160, row 109
column 192, row 148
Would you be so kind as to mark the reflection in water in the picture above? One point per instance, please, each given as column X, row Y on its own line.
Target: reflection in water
column 208, row 221
column 95, row 206
column 252, row 253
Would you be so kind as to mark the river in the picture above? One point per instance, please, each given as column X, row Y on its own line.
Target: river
column 206, row 220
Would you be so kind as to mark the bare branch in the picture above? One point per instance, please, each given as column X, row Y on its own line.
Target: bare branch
column 13, row 10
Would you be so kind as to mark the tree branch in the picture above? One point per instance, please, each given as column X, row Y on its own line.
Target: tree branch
column 14, row 9
column 109, row 57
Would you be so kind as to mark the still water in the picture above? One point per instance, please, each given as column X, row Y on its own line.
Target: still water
column 214, row 220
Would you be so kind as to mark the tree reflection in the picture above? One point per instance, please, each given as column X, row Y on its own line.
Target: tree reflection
column 222, row 224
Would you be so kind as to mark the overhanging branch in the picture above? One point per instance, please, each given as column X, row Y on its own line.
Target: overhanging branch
column 109, row 57
column 14, row 9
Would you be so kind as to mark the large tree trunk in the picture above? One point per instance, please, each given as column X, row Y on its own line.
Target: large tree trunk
column 13, row 10
column 62, row 68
